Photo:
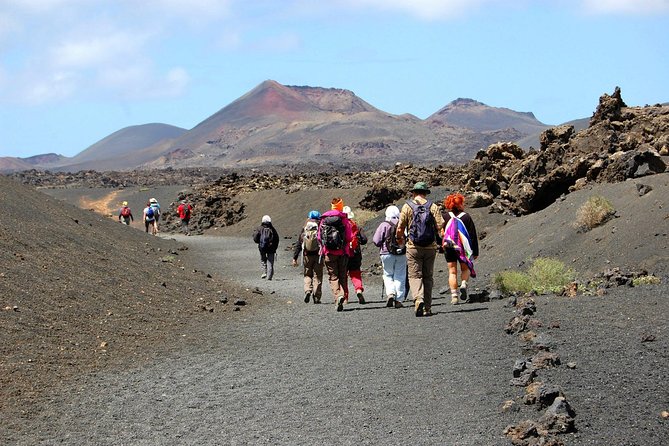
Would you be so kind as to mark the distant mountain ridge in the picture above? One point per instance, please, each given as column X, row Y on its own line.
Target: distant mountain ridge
column 279, row 124
column 477, row 116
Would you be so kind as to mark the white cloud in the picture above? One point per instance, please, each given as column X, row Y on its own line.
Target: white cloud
column 51, row 87
column 423, row 9
column 43, row 6
column 142, row 81
column 626, row 6
column 88, row 51
column 192, row 11
column 285, row 42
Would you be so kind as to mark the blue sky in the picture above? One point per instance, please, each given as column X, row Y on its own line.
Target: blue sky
column 75, row 71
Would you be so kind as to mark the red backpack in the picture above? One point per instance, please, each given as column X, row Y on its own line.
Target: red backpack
column 125, row 211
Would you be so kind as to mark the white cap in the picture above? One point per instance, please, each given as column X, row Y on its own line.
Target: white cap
column 347, row 210
column 392, row 213
column 266, row 219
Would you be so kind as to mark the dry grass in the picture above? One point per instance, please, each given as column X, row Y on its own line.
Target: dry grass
column 594, row 212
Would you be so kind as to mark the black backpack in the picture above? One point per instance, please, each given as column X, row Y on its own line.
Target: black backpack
column 266, row 238
column 390, row 242
column 332, row 232
column 423, row 227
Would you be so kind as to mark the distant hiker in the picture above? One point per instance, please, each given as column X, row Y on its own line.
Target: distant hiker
column 268, row 241
column 393, row 258
column 354, row 266
column 156, row 211
column 334, row 237
column 125, row 214
column 307, row 244
column 460, row 244
column 423, row 220
column 184, row 210
column 149, row 219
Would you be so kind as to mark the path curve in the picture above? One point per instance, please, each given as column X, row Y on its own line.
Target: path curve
column 299, row 373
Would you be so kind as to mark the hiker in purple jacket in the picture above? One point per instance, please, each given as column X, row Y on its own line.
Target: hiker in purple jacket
column 393, row 258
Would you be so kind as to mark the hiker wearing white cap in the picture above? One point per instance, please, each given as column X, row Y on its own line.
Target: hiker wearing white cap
column 393, row 258
column 156, row 212
column 268, row 241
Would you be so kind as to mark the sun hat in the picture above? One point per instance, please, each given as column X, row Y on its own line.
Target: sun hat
column 314, row 215
column 125, row 203
column 392, row 214
column 266, row 219
column 153, row 200
column 347, row 210
column 421, row 187
column 337, row 204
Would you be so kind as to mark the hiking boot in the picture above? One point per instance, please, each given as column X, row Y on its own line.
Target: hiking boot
column 420, row 307
column 427, row 312
column 307, row 296
column 317, row 300
column 398, row 304
column 340, row 303
column 454, row 300
column 463, row 294
column 361, row 298
column 389, row 302
column 263, row 275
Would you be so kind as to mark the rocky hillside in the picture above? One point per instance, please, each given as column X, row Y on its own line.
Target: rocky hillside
column 621, row 142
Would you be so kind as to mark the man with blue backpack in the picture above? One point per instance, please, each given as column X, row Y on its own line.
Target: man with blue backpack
column 423, row 220
column 149, row 219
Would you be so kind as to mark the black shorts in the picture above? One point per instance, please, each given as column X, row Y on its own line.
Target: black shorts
column 452, row 255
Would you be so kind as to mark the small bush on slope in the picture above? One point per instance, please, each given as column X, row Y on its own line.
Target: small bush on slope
column 545, row 275
column 594, row 212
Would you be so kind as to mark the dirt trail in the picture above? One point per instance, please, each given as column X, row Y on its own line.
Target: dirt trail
column 106, row 205
column 299, row 373
column 286, row 372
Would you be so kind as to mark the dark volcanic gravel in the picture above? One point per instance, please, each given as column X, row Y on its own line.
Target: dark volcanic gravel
column 297, row 373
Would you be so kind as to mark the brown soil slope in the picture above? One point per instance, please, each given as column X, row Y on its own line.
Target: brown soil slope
column 79, row 291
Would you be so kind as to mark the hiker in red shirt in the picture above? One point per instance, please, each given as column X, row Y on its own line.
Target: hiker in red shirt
column 125, row 214
column 354, row 266
column 184, row 211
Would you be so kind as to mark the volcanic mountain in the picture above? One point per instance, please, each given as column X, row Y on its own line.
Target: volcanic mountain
column 278, row 124
column 275, row 123
column 477, row 116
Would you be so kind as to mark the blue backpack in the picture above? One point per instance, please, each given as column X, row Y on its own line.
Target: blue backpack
column 423, row 228
column 149, row 213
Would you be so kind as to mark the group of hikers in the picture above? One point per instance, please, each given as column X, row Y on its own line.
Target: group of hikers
column 408, row 241
column 151, row 215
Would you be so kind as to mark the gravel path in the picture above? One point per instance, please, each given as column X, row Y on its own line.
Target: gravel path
column 296, row 373
column 299, row 373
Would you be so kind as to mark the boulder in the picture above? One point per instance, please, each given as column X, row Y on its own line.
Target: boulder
column 480, row 199
column 609, row 108
column 556, row 135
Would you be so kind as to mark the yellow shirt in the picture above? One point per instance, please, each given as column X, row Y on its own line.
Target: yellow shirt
column 406, row 215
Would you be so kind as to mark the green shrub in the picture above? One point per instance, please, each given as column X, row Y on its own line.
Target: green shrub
column 646, row 280
column 545, row 275
column 513, row 281
column 594, row 212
